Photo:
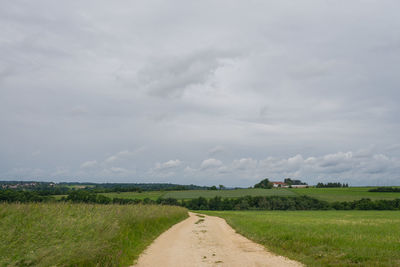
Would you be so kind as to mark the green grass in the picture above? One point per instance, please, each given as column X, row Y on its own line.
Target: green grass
column 58, row 197
column 135, row 195
column 80, row 186
column 344, row 194
column 323, row 238
column 190, row 194
column 60, row 234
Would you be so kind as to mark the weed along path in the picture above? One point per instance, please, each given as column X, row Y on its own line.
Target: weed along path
column 207, row 241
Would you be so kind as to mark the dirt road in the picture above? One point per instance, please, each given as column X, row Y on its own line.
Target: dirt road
column 207, row 241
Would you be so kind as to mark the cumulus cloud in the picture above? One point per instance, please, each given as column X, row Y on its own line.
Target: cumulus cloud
column 118, row 156
column 168, row 165
column 89, row 164
column 245, row 164
column 124, row 154
column 341, row 166
column 210, row 163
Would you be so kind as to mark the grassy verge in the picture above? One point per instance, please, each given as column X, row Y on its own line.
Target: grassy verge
column 323, row 238
column 60, row 234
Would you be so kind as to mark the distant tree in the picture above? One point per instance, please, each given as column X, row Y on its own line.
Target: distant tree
column 221, row 187
column 289, row 182
column 331, row 185
column 264, row 184
column 212, row 187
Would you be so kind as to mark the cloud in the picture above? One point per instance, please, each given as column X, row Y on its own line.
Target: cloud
column 170, row 77
column 123, row 154
column 118, row 170
column 168, row 165
column 210, row 163
column 78, row 111
column 245, row 164
column 342, row 166
column 119, row 155
column 275, row 93
column 216, row 150
column 36, row 153
column 89, row 164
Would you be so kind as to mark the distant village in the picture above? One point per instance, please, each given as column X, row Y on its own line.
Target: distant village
column 23, row 185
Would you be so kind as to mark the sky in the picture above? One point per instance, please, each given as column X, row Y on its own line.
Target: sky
column 200, row 92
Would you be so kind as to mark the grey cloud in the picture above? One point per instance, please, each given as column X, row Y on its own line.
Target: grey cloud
column 216, row 150
column 277, row 92
column 170, row 77
column 89, row 164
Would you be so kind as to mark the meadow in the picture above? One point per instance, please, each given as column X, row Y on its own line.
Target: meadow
column 343, row 194
column 323, row 238
column 227, row 193
column 153, row 195
column 327, row 194
column 62, row 234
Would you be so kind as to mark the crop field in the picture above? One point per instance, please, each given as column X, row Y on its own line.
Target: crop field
column 189, row 194
column 343, row 194
column 327, row 194
column 59, row 234
column 135, row 195
column 323, row 238
column 80, row 186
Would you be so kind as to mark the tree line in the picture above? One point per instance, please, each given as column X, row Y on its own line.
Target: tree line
column 331, row 185
column 47, row 188
column 216, row 203
column 385, row 189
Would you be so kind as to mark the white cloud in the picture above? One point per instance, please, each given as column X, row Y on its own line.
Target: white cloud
column 89, row 164
column 245, row 164
column 210, row 163
column 171, row 164
column 123, row 155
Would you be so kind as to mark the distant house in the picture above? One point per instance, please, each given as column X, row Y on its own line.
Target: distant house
column 279, row 184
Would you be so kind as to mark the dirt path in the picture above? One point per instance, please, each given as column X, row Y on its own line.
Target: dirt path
column 207, row 241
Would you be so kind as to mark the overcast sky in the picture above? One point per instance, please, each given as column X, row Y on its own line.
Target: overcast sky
column 203, row 92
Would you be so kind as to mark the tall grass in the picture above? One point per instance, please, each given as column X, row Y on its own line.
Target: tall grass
column 324, row 238
column 62, row 234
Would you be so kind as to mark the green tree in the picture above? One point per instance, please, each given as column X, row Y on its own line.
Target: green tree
column 264, row 184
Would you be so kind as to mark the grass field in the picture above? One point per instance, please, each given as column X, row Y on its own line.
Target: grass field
column 80, row 234
column 323, row 238
column 227, row 193
column 343, row 194
column 134, row 195
column 327, row 194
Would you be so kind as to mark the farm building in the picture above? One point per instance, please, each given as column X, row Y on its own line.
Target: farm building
column 279, row 184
